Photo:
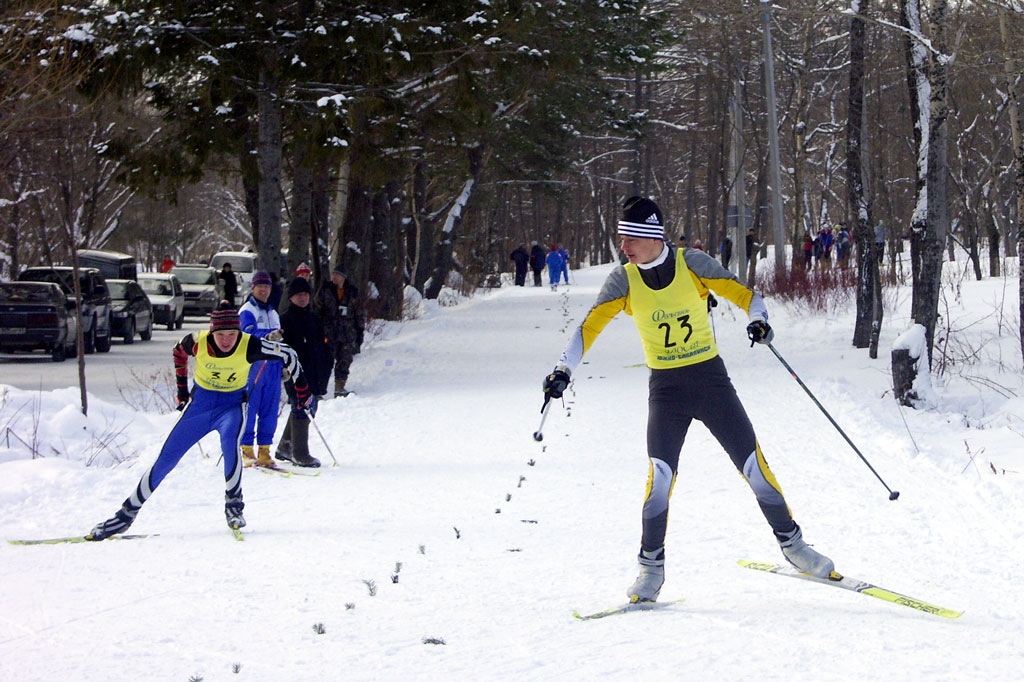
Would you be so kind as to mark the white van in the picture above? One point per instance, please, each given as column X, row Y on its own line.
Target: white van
column 243, row 263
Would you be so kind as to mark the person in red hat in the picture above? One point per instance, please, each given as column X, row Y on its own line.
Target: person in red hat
column 304, row 271
column 217, row 403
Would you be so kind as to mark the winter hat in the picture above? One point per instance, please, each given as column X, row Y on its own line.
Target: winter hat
column 224, row 318
column 641, row 217
column 262, row 277
column 299, row 285
column 303, row 269
column 340, row 270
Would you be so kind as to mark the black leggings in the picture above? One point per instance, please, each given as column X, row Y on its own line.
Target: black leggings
column 704, row 392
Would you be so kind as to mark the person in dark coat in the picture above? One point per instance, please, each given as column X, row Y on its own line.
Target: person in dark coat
column 342, row 314
column 230, row 283
column 537, row 256
column 725, row 250
column 304, row 333
column 522, row 260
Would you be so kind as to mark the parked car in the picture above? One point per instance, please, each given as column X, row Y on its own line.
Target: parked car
column 203, row 289
column 132, row 312
column 167, row 296
column 95, row 303
column 113, row 264
column 243, row 263
column 37, row 315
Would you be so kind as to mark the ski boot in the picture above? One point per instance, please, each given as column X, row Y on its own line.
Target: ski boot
column 263, row 457
column 300, row 453
column 652, row 576
column 800, row 554
column 118, row 523
column 248, row 457
column 284, row 446
column 233, row 507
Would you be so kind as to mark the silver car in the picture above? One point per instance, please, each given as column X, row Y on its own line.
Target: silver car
column 203, row 289
column 166, row 295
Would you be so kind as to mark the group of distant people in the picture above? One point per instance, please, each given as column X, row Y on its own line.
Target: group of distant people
column 818, row 249
column 556, row 260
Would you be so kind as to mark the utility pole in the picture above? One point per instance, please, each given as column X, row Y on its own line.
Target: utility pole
column 773, row 139
column 739, row 202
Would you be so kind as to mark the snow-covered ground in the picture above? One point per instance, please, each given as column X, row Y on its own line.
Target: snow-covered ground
column 450, row 546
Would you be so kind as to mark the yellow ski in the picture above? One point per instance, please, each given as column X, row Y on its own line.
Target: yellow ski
column 853, row 585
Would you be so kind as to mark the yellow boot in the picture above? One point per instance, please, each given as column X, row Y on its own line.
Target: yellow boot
column 248, row 458
column 263, row 457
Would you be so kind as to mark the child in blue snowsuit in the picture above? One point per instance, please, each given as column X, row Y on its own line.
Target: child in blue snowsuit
column 217, row 403
column 258, row 318
column 554, row 262
column 564, row 270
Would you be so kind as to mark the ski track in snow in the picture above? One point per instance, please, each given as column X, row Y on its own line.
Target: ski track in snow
column 496, row 552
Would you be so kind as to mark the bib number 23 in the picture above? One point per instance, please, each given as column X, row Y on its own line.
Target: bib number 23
column 684, row 325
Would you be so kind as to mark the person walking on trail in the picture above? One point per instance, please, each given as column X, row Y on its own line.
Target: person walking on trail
column 258, row 318
column 554, row 263
column 342, row 315
column 537, row 262
column 564, row 270
column 227, row 276
column 304, row 333
column 521, row 258
column 664, row 290
column 725, row 250
column 217, row 403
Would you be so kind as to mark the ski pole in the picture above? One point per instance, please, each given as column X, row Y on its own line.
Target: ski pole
column 538, row 435
column 893, row 494
column 310, row 415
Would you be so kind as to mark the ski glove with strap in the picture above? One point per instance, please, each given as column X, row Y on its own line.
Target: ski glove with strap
column 759, row 331
column 556, row 383
column 183, row 398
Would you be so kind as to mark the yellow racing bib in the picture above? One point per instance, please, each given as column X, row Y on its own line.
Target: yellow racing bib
column 221, row 374
column 673, row 322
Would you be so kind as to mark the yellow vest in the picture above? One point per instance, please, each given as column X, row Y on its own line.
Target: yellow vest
column 221, row 374
column 673, row 322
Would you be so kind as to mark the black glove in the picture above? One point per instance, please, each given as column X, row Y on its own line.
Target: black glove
column 556, row 383
column 759, row 331
column 183, row 398
column 712, row 301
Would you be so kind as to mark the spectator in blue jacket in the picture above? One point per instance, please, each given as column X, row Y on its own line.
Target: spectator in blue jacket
column 554, row 261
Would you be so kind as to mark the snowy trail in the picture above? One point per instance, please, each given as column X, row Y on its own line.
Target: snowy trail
column 500, row 538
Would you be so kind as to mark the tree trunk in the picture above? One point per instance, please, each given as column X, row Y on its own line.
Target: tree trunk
column 300, row 227
column 387, row 255
column 857, row 208
column 1013, row 77
column 925, row 303
column 320, row 222
column 270, row 147
column 446, row 240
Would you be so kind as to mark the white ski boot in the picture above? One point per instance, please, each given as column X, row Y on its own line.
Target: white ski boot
column 800, row 554
column 651, row 578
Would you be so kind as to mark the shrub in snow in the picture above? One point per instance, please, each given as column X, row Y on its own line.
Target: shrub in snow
column 448, row 297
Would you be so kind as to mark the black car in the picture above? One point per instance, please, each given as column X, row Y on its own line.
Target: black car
column 95, row 302
column 131, row 310
column 37, row 315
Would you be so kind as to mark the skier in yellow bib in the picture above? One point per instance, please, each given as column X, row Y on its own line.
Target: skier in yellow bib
column 665, row 291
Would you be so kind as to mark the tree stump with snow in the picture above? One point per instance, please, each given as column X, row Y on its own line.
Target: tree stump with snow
column 903, row 375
